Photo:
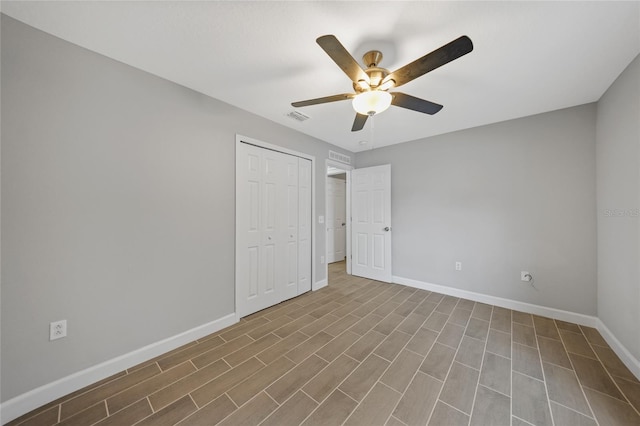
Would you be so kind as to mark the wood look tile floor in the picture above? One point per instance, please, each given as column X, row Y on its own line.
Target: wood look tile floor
column 361, row 352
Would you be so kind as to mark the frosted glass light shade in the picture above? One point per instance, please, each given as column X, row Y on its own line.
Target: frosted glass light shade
column 373, row 102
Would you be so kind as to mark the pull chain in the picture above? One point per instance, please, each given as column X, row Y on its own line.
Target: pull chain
column 372, row 128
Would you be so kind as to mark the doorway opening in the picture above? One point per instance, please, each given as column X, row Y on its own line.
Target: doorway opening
column 338, row 220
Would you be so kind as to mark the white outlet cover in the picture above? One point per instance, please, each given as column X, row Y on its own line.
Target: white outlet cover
column 57, row 330
column 320, row 219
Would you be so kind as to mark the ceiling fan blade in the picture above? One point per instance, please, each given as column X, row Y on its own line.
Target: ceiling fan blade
column 324, row 100
column 340, row 55
column 411, row 102
column 439, row 57
column 358, row 123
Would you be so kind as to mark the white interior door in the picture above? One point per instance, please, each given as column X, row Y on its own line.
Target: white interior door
column 340, row 230
column 371, row 222
column 273, row 227
column 330, row 220
column 336, row 219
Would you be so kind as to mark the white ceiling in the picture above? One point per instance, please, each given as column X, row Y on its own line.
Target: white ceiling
column 528, row 57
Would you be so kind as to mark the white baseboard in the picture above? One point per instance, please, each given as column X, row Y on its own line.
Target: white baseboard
column 625, row 356
column 529, row 308
column 320, row 284
column 35, row 398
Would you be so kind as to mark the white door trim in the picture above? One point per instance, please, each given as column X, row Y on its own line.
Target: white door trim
column 347, row 169
column 245, row 139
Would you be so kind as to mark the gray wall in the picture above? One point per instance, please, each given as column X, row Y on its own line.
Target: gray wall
column 517, row 195
column 618, row 176
column 117, row 206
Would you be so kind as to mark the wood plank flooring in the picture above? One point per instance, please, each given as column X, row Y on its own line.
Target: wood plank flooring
column 361, row 352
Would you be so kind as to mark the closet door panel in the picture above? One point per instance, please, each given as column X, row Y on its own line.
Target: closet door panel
column 273, row 227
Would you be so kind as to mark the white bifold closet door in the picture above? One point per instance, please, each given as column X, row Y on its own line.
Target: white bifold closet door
column 273, row 227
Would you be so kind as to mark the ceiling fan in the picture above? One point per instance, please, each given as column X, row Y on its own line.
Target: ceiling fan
column 372, row 85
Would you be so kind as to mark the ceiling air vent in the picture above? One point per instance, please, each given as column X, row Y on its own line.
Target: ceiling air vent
column 339, row 157
column 296, row 115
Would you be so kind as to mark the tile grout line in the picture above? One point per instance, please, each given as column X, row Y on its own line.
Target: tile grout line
column 138, row 383
column 456, row 409
column 342, row 353
column 484, row 351
column 402, row 394
column 397, row 419
column 388, row 387
column 264, row 390
column 152, row 413
column 316, row 375
column 267, row 393
column 283, row 403
column 624, row 395
column 245, row 346
column 495, row 390
column 511, row 343
column 604, row 394
column 370, row 354
column 523, row 421
column 544, row 376
column 448, row 371
column 169, row 384
column 63, row 400
column 576, row 411
column 575, row 374
column 376, row 382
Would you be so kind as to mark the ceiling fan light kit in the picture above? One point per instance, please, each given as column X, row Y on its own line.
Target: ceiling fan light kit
column 372, row 102
column 371, row 85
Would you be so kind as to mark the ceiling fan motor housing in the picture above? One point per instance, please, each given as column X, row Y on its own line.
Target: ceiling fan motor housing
column 376, row 74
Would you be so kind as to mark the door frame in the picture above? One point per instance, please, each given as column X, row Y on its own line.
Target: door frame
column 261, row 144
column 347, row 169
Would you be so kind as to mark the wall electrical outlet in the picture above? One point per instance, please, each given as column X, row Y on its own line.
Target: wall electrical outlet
column 321, row 259
column 58, row 330
column 458, row 266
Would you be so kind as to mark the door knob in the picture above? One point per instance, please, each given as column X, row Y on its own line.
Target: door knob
column 386, row 229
